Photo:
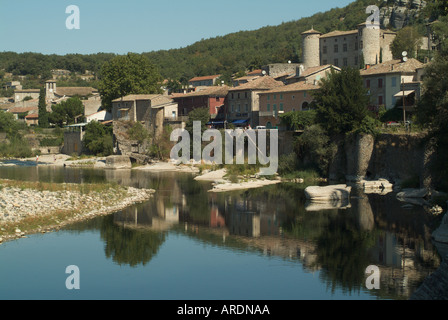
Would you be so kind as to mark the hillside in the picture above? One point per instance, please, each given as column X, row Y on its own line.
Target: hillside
column 231, row 53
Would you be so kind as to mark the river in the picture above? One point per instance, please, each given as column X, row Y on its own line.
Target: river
column 187, row 243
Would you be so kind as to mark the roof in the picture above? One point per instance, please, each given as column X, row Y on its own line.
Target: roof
column 32, row 116
column 261, row 83
column 156, row 99
column 205, row 78
column 134, row 97
column 248, row 78
column 255, row 72
column 311, row 31
column 26, row 90
column 75, row 91
column 22, row 109
column 312, row 70
column 293, row 87
column 215, row 91
column 393, row 66
column 337, row 33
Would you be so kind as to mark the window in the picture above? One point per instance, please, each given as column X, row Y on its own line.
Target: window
column 336, row 48
column 305, row 106
column 246, row 107
column 304, row 94
column 232, row 95
column 233, row 108
column 239, row 108
column 380, row 100
column 245, row 94
column 336, row 62
column 361, row 45
column 281, row 106
column 281, row 96
column 324, row 50
column 269, row 107
column 394, row 81
column 269, row 97
column 380, row 83
column 238, row 95
column 356, row 45
column 368, row 83
column 217, row 98
column 356, row 61
column 345, row 62
column 344, row 47
column 274, row 107
column 275, row 97
column 324, row 62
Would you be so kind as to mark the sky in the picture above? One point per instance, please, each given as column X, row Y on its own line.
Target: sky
column 138, row 25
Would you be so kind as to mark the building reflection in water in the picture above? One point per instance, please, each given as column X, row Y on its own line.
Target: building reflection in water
column 287, row 228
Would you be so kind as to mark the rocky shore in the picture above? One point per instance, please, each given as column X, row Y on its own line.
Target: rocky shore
column 21, row 208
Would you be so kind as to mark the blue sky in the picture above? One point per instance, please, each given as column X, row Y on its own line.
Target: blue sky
column 138, row 25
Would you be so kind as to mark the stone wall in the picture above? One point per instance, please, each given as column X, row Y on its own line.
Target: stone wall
column 396, row 157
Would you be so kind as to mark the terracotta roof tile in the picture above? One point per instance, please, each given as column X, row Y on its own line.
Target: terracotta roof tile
column 297, row 86
column 393, row 66
column 214, row 91
column 262, row 83
column 204, row 78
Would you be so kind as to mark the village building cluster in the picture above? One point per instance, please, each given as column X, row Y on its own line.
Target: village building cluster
column 262, row 95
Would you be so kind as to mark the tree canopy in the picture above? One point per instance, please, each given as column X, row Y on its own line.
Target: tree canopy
column 67, row 112
column 128, row 74
column 342, row 101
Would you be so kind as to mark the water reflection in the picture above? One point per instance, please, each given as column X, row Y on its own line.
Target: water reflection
column 340, row 243
column 338, row 240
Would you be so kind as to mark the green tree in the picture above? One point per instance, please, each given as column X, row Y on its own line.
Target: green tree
column 408, row 39
column 198, row 114
column 298, row 120
column 67, row 112
column 98, row 139
column 128, row 74
column 42, row 107
column 432, row 112
column 341, row 101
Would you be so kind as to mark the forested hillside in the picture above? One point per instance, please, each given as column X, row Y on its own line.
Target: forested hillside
column 220, row 55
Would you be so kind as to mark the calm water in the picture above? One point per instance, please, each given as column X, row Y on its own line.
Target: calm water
column 186, row 243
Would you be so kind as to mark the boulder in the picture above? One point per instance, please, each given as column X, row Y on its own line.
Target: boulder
column 118, row 162
column 328, row 193
column 412, row 193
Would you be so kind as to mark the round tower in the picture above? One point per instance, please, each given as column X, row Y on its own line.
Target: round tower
column 311, row 48
column 371, row 42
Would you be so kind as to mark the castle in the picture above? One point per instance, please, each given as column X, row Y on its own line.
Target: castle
column 368, row 45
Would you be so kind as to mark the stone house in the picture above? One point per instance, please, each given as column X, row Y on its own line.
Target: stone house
column 150, row 109
column 213, row 99
column 293, row 97
column 243, row 101
column 311, row 75
column 205, row 81
column 386, row 80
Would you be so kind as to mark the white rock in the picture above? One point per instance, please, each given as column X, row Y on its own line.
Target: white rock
column 328, row 193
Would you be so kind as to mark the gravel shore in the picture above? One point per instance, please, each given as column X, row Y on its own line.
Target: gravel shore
column 18, row 204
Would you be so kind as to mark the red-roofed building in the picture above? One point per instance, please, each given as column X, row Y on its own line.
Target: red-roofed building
column 205, row 81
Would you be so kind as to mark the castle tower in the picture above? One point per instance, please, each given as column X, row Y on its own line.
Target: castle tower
column 370, row 42
column 50, row 89
column 311, row 48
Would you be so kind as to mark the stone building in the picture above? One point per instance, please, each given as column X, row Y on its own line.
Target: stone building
column 368, row 45
column 389, row 81
column 293, row 97
column 243, row 101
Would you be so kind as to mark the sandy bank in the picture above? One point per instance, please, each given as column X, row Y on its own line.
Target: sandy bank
column 167, row 166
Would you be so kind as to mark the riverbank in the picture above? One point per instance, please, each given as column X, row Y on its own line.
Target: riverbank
column 36, row 207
